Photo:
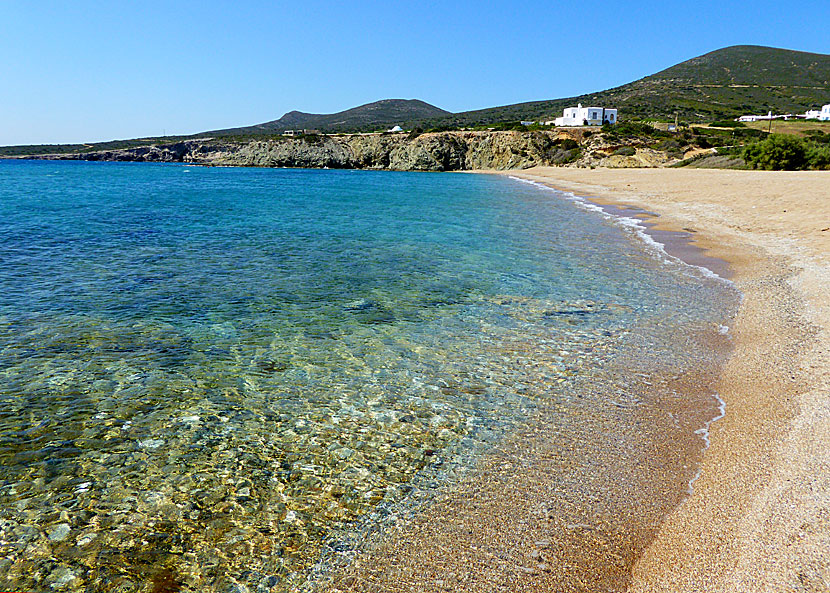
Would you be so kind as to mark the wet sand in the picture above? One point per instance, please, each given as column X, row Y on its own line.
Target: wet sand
column 533, row 517
column 537, row 516
column 759, row 517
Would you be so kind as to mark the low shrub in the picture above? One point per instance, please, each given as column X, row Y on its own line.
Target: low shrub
column 819, row 157
column 508, row 126
column 625, row 151
column 818, row 136
column 668, row 145
column 731, row 150
column 563, row 157
column 727, row 123
column 776, row 153
column 566, row 143
column 633, row 128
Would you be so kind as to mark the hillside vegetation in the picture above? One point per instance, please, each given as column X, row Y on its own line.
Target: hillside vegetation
column 718, row 85
column 372, row 116
column 712, row 88
column 789, row 152
column 721, row 84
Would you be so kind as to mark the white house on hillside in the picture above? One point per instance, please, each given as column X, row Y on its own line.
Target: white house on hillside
column 766, row 117
column 586, row 116
column 823, row 115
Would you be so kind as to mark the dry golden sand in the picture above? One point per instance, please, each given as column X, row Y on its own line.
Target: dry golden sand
column 759, row 517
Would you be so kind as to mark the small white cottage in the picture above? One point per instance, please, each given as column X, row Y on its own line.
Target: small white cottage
column 586, row 116
column 766, row 117
column 825, row 113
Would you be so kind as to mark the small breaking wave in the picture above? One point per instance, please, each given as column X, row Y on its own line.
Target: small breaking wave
column 634, row 225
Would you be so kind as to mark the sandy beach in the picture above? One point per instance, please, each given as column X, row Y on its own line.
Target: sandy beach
column 759, row 517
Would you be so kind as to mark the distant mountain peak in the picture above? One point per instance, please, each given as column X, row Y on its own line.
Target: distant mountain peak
column 752, row 65
column 378, row 114
column 723, row 83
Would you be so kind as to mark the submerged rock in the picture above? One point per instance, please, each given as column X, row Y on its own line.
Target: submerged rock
column 59, row 532
column 359, row 305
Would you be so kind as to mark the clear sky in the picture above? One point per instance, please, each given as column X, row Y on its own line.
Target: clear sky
column 78, row 71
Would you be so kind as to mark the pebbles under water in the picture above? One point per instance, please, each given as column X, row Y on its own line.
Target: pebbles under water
column 228, row 380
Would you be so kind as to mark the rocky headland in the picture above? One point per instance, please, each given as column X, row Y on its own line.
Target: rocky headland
column 436, row 151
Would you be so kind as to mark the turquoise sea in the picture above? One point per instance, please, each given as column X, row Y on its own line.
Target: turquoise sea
column 217, row 378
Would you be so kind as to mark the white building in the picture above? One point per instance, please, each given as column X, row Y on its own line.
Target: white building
column 823, row 115
column 586, row 116
column 396, row 129
column 766, row 117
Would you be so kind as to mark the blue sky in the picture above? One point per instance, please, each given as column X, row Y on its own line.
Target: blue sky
column 89, row 71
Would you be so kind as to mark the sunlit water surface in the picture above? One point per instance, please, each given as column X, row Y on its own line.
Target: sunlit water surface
column 220, row 378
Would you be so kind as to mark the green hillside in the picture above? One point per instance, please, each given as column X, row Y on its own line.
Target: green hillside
column 718, row 85
column 388, row 112
column 369, row 117
column 721, row 84
column 752, row 65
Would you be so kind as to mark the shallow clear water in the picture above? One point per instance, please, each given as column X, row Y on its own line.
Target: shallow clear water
column 220, row 377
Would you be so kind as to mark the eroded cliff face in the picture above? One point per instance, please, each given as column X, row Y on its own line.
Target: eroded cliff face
column 442, row 151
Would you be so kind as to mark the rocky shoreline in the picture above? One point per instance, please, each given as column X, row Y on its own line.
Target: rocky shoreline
column 436, row 151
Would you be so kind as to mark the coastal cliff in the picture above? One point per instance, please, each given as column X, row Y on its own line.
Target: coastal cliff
column 439, row 151
column 432, row 151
